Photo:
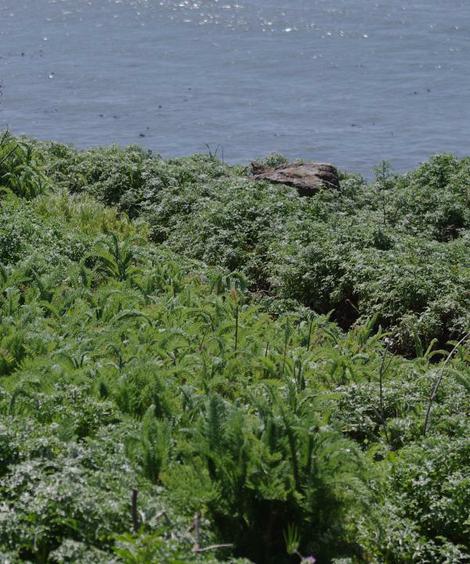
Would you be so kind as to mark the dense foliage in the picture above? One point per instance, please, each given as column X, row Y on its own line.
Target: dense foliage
column 180, row 386
column 395, row 250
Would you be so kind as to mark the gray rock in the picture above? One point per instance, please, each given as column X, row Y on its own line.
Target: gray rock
column 307, row 178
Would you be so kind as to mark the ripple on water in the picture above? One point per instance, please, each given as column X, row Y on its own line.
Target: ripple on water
column 352, row 81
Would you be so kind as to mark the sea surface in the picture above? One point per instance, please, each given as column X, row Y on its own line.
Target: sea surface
column 352, row 82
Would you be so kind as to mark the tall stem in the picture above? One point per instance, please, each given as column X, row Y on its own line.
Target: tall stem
column 432, row 397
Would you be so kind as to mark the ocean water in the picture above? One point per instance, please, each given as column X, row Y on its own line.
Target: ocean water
column 352, row 82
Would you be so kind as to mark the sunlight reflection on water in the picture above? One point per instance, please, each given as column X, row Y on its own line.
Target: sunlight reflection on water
column 351, row 81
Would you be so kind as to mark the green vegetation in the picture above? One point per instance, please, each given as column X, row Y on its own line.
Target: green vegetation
column 195, row 367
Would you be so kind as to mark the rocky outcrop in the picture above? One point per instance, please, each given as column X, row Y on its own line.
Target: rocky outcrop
column 307, row 178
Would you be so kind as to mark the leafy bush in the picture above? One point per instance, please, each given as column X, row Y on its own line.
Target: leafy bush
column 152, row 410
column 395, row 249
column 20, row 168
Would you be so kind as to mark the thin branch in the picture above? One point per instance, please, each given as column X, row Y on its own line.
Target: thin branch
column 382, row 372
column 161, row 514
column 237, row 313
column 310, row 328
column 212, row 547
column 197, row 532
column 134, row 511
column 8, row 155
column 427, row 419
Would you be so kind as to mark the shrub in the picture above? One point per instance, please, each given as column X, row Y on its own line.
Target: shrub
column 151, row 409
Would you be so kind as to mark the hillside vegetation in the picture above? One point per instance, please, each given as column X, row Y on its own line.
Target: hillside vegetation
column 195, row 367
